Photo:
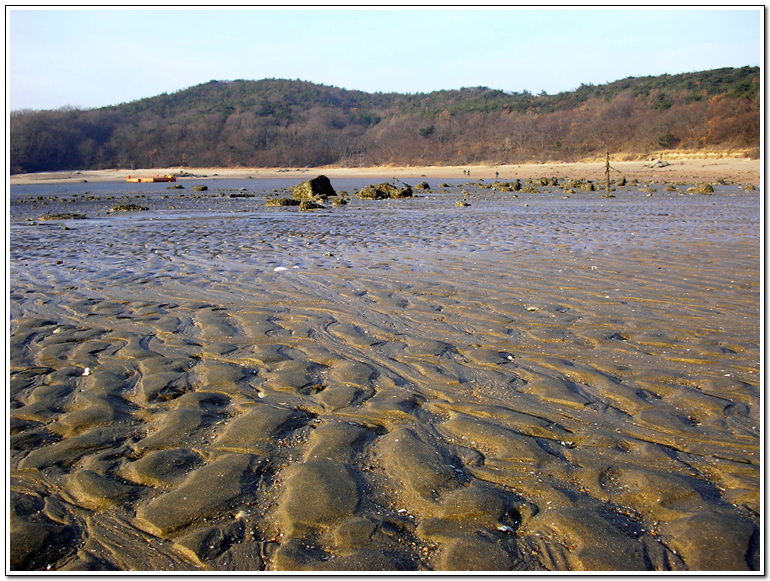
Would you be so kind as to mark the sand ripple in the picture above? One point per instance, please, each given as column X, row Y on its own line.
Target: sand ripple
column 530, row 383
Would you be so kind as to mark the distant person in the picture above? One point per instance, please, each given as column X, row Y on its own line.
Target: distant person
column 497, row 174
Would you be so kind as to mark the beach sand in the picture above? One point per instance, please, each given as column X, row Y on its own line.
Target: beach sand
column 532, row 381
column 710, row 169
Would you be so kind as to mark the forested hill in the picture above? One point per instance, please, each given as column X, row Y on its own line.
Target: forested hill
column 284, row 123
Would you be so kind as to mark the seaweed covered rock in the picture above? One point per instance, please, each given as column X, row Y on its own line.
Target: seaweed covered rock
column 129, row 208
column 582, row 183
column 317, row 189
column 372, row 193
column 62, row 216
column 281, row 202
column 704, row 188
column 307, row 205
column 514, row 186
column 422, row 186
column 200, row 188
column 384, row 191
column 405, row 192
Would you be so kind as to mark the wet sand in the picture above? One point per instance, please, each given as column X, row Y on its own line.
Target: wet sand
column 535, row 381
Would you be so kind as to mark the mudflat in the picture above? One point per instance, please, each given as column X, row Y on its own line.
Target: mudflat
column 476, row 378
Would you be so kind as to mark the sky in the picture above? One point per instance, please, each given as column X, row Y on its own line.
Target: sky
column 89, row 58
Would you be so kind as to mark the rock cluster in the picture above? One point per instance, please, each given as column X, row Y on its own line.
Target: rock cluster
column 384, row 191
column 130, row 208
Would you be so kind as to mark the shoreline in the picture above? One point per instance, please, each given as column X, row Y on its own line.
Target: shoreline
column 736, row 170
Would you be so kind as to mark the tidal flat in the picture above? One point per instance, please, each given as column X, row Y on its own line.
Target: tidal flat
column 531, row 381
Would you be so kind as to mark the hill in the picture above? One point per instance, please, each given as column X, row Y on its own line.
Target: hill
column 286, row 123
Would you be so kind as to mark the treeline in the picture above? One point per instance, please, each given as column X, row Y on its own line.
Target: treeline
column 284, row 123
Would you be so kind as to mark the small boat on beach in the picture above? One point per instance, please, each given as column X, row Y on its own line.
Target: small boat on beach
column 166, row 178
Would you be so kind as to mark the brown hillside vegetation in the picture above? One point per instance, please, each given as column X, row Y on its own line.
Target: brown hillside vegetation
column 282, row 123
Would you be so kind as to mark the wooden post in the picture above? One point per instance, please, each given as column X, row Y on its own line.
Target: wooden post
column 607, row 172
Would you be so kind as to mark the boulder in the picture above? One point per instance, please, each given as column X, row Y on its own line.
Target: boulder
column 317, row 189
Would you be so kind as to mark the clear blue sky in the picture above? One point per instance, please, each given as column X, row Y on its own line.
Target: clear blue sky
column 92, row 58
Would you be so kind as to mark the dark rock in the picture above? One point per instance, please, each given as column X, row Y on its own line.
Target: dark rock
column 317, row 189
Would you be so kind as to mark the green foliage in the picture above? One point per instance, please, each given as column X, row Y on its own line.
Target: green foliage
column 662, row 103
column 667, row 140
column 427, row 131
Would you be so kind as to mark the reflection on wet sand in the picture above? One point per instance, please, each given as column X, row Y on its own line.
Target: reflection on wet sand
column 541, row 382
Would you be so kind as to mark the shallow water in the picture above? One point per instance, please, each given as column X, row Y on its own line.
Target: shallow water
column 530, row 382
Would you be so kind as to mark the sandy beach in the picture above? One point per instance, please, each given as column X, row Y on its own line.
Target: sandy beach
column 733, row 169
column 475, row 378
